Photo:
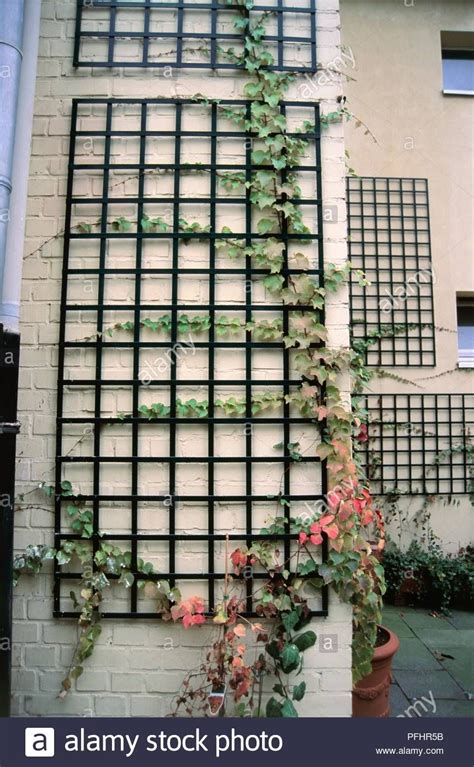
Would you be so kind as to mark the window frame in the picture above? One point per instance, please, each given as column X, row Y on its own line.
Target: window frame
column 456, row 45
column 465, row 356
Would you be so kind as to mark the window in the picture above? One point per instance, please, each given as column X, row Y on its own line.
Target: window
column 458, row 62
column 465, row 309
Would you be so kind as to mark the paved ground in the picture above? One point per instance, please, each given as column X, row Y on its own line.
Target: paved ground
column 434, row 667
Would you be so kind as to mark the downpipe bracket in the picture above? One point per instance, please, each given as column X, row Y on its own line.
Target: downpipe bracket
column 10, row 427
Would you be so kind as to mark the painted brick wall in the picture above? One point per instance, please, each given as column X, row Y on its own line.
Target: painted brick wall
column 138, row 666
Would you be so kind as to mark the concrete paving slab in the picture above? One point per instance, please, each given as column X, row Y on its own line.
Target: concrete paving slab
column 413, row 655
column 398, row 701
column 438, row 684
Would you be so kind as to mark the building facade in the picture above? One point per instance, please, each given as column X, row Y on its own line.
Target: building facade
column 417, row 249
column 126, row 119
column 396, row 178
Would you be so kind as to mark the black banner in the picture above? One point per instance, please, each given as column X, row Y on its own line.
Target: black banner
column 167, row 742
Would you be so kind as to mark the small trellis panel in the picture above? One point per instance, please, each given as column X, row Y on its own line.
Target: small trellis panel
column 148, row 292
column 190, row 34
column 389, row 240
column 420, row 444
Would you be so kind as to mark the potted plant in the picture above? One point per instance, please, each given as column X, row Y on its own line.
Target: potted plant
column 370, row 695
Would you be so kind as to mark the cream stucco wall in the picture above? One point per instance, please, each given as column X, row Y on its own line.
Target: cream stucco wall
column 137, row 667
column 394, row 85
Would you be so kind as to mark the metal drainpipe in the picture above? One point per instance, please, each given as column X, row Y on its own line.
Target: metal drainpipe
column 11, row 35
column 10, row 301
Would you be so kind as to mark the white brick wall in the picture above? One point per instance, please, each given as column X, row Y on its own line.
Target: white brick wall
column 137, row 667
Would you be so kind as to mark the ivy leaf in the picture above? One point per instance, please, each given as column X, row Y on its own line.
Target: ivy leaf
column 300, row 261
column 279, row 162
column 290, row 620
column 265, row 225
column 62, row 558
column 259, row 156
column 331, row 117
column 264, row 178
column 273, row 708
column 305, row 641
column 272, row 649
column 127, row 579
column 290, row 656
column 288, row 710
column 94, row 632
column 121, row 224
column 273, row 282
column 324, row 450
column 87, row 530
column 262, row 199
column 48, row 490
column 148, row 224
column 293, row 449
column 305, row 568
column 231, row 181
column 299, row 691
column 66, row 488
column 175, row 595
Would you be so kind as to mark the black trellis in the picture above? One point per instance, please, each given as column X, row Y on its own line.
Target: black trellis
column 101, row 254
column 389, row 239
column 420, row 443
column 171, row 33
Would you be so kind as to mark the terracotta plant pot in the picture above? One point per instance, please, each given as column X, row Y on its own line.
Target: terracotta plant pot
column 370, row 696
